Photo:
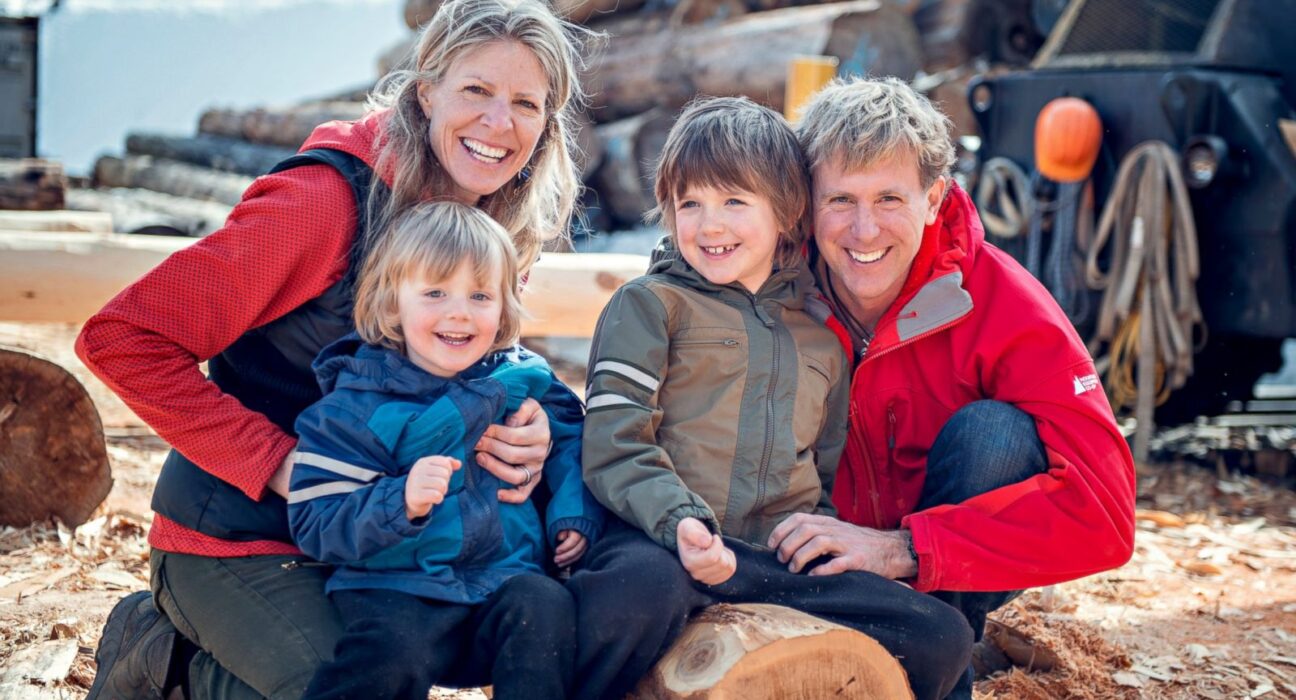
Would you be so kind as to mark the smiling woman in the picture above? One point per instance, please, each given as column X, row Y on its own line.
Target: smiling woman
column 482, row 119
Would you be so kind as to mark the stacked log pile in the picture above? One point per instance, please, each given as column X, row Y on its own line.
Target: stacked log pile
column 652, row 57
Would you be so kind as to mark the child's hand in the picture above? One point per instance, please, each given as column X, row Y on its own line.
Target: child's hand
column 571, row 547
column 703, row 554
column 427, row 483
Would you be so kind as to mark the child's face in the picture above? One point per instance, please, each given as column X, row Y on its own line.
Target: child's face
column 449, row 324
column 727, row 234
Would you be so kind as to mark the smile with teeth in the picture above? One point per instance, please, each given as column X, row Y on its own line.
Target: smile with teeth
column 866, row 257
column 719, row 249
column 482, row 152
column 454, row 338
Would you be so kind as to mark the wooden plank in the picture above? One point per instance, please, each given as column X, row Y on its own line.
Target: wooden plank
column 67, row 277
column 56, row 220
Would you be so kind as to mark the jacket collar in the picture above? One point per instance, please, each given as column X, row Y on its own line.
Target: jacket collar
column 933, row 295
column 351, row 363
column 788, row 287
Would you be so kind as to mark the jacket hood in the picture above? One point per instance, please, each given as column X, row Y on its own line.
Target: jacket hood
column 361, row 138
column 788, row 286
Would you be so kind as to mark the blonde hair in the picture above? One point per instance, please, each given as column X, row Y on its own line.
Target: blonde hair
column 538, row 204
column 734, row 142
column 431, row 241
column 866, row 120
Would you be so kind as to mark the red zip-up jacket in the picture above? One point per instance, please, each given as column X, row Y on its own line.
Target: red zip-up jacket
column 284, row 244
column 971, row 324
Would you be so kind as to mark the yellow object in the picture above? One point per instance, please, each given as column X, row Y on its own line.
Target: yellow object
column 1068, row 134
column 806, row 74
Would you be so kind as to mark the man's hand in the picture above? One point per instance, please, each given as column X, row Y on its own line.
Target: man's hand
column 571, row 547
column 803, row 538
column 704, row 555
column 281, row 481
column 427, row 483
column 515, row 452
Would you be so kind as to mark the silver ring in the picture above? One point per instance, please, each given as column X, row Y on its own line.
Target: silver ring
column 528, row 478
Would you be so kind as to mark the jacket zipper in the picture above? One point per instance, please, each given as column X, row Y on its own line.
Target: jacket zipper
column 768, row 448
column 727, row 342
column 874, row 496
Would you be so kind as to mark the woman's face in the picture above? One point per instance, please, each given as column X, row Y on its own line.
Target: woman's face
column 486, row 116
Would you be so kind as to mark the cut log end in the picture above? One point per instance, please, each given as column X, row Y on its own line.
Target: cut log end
column 54, row 461
column 767, row 651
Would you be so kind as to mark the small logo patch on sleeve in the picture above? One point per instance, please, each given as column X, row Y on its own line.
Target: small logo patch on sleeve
column 1089, row 382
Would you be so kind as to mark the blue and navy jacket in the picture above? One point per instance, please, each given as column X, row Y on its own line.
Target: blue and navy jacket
column 380, row 414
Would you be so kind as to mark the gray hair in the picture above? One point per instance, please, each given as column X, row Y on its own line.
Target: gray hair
column 865, row 120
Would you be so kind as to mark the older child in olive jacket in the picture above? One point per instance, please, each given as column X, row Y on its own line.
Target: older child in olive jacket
column 716, row 408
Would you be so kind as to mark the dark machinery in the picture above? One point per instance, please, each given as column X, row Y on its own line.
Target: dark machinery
column 1216, row 81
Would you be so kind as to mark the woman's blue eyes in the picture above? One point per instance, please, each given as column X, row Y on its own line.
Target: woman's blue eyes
column 481, row 90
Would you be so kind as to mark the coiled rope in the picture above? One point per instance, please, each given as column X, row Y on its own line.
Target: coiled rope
column 1149, row 311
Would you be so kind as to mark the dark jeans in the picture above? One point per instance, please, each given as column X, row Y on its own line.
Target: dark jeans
column 634, row 597
column 983, row 446
column 522, row 639
column 271, row 627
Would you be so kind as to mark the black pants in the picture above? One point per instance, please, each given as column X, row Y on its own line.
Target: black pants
column 522, row 640
column 633, row 598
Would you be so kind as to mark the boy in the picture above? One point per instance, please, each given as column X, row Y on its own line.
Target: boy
column 716, row 409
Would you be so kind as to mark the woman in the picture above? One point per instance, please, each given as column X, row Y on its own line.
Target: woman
column 482, row 120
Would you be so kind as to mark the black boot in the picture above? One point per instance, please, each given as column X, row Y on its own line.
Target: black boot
column 134, row 651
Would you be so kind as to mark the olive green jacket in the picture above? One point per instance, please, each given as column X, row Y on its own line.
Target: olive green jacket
column 711, row 402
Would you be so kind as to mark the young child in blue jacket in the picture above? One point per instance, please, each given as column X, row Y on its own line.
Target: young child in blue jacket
column 437, row 581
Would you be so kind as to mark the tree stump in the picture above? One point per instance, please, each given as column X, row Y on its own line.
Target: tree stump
column 752, row 651
column 53, row 460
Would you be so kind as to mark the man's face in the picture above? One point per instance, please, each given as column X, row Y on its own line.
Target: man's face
column 868, row 224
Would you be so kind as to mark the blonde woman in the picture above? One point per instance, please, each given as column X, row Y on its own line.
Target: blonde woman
column 482, row 121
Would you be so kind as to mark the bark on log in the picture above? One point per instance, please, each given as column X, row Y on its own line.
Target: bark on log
column 31, row 184
column 215, row 152
column 277, row 126
column 755, row 652
column 170, row 177
column 748, row 56
column 66, row 277
column 54, row 461
column 145, row 211
column 631, row 146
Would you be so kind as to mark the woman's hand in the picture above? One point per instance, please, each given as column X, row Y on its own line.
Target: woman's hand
column 515, row 452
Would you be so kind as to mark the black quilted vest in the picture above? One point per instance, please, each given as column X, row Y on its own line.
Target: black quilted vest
column 268, row 369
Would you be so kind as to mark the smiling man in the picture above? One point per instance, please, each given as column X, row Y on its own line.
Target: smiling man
column 982, row 456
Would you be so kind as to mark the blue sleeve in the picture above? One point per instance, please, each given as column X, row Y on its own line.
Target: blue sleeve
column 346, row 502
column 572, row 506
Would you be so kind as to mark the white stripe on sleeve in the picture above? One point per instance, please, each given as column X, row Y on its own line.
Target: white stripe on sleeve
column 634, row 374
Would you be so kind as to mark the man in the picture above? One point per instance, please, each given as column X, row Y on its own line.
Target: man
column 982, row 456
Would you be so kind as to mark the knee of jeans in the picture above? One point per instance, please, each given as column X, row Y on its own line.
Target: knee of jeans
column 990, row 441
column 628, row 605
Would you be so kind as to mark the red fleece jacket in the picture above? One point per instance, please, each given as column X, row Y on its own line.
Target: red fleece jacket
column 972, row 324
column 284, row 244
